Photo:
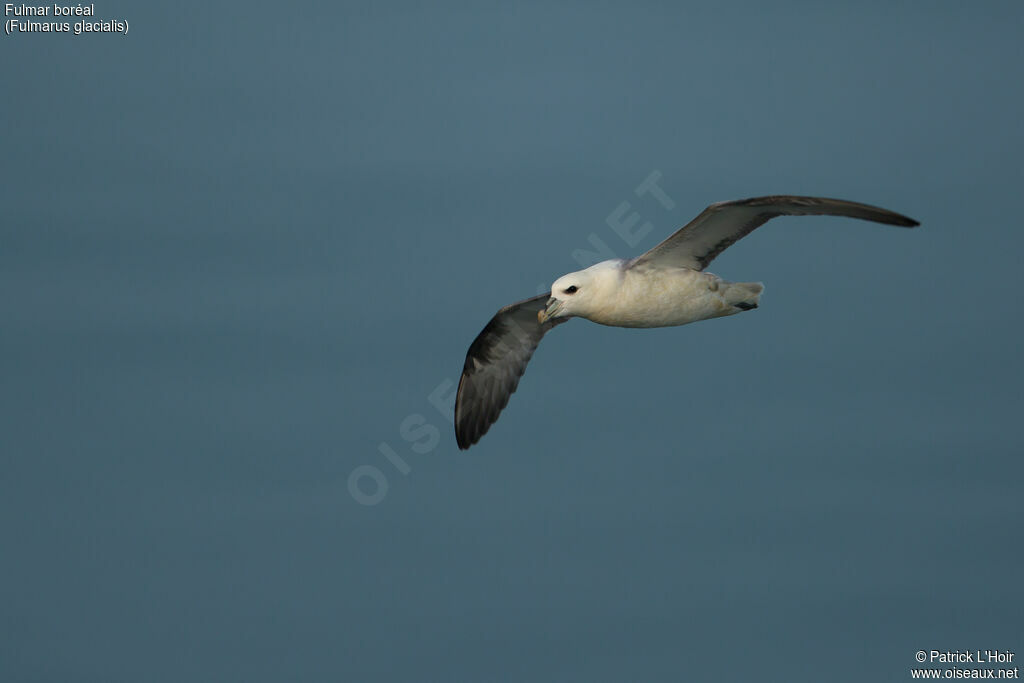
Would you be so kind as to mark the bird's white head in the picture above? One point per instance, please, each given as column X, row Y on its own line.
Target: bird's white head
column 583, row 292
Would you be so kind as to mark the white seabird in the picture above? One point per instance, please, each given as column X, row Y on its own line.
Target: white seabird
column 664, row 287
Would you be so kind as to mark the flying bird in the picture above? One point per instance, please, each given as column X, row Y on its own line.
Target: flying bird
column 667, row 286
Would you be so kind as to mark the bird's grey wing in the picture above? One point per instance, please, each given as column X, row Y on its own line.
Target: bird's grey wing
column 697, row 243
column 495, row 361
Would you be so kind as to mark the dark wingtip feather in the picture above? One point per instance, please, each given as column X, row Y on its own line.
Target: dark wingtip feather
column 899, row 220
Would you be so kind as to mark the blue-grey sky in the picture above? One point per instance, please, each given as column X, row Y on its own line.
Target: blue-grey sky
column 244, row 243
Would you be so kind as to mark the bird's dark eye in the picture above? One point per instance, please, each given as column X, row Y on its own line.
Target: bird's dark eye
column 571, row 290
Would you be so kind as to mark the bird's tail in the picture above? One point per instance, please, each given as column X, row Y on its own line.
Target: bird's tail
column 743, row 295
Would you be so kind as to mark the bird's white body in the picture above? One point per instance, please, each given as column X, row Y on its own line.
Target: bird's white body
column 652, row 296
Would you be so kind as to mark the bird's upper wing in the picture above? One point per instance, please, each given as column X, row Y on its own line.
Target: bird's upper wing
column 696, row 244
column 495, row 361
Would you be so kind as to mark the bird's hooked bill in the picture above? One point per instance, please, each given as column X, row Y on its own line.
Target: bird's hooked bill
column 549, row 311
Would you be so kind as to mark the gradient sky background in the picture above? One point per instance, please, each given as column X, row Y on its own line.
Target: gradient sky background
column 244, row 243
